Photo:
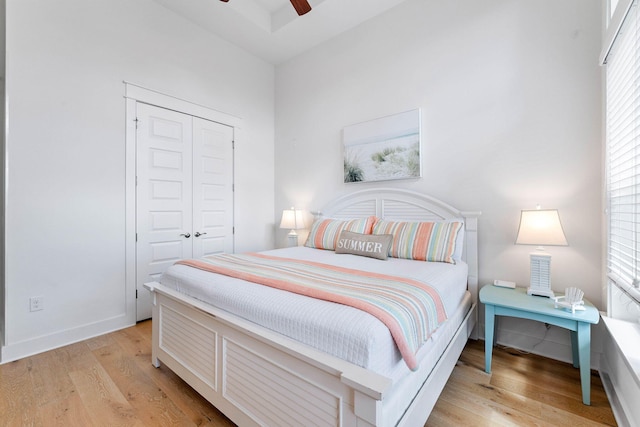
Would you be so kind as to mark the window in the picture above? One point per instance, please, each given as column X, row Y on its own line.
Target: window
column 622, row 59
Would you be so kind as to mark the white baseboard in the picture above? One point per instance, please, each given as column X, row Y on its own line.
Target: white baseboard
column 19, row 350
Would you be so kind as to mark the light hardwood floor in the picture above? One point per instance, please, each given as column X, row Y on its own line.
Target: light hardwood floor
column 109, row 381
column 522, row 390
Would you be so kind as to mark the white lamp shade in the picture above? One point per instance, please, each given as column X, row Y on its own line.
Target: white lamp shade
column 541, row 227
column 292, row 219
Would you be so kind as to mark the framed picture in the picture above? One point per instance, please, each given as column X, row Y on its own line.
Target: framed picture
column 383, row 149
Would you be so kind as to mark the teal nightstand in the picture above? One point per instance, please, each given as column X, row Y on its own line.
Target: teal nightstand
column 516, row 303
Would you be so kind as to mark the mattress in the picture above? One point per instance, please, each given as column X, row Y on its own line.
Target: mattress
column 342, row 331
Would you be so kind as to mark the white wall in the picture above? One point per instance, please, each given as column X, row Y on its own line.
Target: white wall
column 66, row 62
column 510, row 93
column 2, row 158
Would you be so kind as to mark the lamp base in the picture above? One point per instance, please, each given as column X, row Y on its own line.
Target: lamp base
column 540, row 283
column 540, row 292
column 293, row 239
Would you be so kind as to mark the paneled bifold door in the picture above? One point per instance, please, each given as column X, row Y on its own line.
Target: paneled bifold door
column 184, row 192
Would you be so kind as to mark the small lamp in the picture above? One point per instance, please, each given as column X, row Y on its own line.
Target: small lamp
column 540, row 227
column 294, row 220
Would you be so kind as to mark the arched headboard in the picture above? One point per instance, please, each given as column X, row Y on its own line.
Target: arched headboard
column 399, row 204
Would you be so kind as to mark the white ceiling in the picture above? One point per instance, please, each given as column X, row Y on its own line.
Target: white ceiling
column 271, row 29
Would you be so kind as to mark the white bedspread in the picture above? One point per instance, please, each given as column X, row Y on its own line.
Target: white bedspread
column 339, row 330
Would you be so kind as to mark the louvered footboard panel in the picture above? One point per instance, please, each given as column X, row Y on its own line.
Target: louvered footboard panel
column 254, row 378
column 190, row 343
column 273, row 394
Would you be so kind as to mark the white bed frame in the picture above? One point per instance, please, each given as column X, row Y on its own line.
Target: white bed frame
column 258, row 377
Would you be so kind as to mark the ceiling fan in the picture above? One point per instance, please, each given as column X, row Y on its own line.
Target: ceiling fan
column 301, row 6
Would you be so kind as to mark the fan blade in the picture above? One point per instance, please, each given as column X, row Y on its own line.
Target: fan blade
column 301, row 6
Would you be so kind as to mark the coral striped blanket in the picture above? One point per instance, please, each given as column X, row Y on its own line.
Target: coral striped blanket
column 412, row 310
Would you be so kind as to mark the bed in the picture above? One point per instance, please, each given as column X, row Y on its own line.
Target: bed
column 258, row 375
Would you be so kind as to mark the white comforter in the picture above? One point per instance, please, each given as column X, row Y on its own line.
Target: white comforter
column 339, row 330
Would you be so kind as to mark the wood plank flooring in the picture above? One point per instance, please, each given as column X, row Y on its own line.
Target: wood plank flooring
column 522, row 390
column 109, row 381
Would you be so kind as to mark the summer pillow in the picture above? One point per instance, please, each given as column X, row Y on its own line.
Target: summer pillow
column 423, row 241
column 369, row 245
column 325, row 232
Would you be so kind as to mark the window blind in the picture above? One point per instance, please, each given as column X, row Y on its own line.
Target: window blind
column 623, row 156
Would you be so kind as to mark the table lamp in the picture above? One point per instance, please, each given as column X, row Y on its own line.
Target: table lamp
column 540, row 227
column 292, row 219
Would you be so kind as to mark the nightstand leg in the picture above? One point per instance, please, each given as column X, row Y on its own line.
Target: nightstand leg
column 489, row 328
column 574, row 349
column 584, row 345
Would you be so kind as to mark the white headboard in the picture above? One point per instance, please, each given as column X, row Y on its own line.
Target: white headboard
column 398, row 204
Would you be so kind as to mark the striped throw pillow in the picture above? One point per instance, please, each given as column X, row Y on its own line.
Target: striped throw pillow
column 422, row 241
column 324, row 233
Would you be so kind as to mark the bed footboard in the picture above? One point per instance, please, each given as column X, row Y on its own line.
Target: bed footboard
column 256, row 377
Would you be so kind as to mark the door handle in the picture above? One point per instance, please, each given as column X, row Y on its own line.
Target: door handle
column 198, row 234
column 186, row 236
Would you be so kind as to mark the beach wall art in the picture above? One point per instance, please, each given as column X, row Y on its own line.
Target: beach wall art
column 383, row 149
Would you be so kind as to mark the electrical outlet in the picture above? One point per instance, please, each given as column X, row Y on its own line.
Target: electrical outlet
column 36, row 303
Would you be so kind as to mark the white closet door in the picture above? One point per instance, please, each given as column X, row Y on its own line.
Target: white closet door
column 164, row 195
column 212, row 188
